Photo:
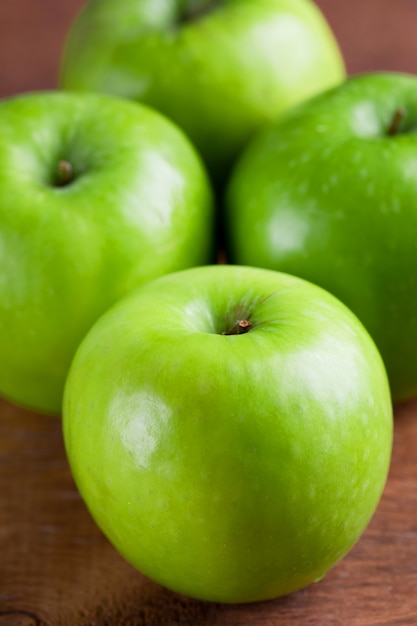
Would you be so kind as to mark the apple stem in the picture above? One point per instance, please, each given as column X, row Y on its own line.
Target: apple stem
column 65, row 174
column 240, row 328
column 398, row 117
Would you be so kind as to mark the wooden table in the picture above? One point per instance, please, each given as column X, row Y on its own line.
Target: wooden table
column 56, row 569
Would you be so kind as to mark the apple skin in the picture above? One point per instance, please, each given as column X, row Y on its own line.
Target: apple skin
column 327, row 194
column 220, row 74
column 140, row 205
column 230, row 468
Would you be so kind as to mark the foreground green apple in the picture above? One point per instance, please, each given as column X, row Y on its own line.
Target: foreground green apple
column 230, row 431
column 97, row 196
column 330, row 194
column 220, row 69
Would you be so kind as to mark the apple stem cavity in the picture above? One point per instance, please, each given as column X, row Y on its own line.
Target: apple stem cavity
column 240, row 328
column 65, row 174
column 192, row 13
column 397, row 118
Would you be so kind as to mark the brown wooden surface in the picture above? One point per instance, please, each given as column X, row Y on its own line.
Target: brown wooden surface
column 56, row 569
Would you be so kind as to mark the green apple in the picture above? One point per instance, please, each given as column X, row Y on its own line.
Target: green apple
column 230, row 430
column 219, row 68
column 97, row 196
column 330, row 194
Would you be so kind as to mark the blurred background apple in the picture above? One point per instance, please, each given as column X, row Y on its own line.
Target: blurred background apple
column 31, row 61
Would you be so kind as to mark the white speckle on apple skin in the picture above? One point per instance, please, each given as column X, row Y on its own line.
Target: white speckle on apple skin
column 327, row 152
column 395, row 205
column 303, row 188
column 371, row 190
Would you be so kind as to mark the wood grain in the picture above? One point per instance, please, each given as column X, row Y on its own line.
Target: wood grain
column 56, row 568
